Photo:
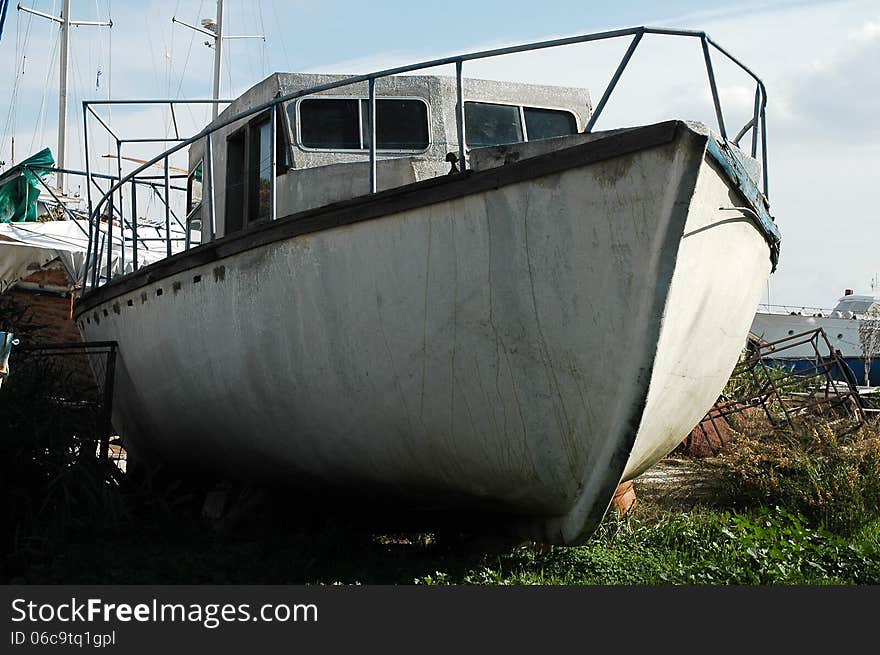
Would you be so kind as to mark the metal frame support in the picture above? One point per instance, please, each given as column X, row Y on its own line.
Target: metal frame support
column 110, row 241
column 614, row 80
column 167, row 211
column 89, row 252
column 121, row 205
column 209, row 186
column 459, row 117
column 715, row 99
column 97, row 271
column 764, row 146
column 273, row 164
column 134, row 227
column 755, row 121
column 373, row 182
column 180, row 224
column 64, row 208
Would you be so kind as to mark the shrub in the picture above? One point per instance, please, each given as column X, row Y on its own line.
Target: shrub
column 833, row 480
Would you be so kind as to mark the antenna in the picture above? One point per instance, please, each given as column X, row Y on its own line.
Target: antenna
column 65, row 22
column 214, row 29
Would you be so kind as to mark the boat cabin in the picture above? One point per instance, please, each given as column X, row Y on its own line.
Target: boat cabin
column 853, row 306
column 322, row 140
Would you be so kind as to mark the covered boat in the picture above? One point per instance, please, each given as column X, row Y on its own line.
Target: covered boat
column 446, row 292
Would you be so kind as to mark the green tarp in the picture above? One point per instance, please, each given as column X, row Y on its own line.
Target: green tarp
column 18, row 196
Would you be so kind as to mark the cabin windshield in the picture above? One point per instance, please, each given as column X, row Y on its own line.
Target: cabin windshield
column 344, row 124
column 494, row 124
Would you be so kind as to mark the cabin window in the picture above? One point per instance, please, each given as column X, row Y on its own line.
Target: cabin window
column 488, row 124
column 493, row 124
column 260, row 169
column 548, row 123
column 401, row 124
column 330, row 124
column 344, row 124
column 249, row 171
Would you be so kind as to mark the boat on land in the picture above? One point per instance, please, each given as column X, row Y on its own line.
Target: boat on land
column 448, row 293
column 852, row 327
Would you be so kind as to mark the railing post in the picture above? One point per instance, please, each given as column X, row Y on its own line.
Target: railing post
column 134, row 226
column 121, row 206
column 110, row 240
column 273, row 137
column 97, row 249
column 715, row 98
column 613, row 83
column 756, row 117
column 89, row 251
column 187, row 226
column 97, row 281
column 459, row 116
column 764, row 145
column 209, row 186
column 167, row 210
column 373, row 182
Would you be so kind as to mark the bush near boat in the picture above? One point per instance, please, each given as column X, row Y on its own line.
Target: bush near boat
column 831, row 479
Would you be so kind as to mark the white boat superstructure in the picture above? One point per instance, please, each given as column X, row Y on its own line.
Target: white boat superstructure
column 850, row 328
column 364, row 316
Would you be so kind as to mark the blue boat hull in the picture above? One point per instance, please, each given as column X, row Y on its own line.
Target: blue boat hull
column 855, row 364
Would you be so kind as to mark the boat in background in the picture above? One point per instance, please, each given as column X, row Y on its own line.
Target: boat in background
column 852, row 328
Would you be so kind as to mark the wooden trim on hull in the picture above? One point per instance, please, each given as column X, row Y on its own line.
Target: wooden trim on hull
column 392, row 201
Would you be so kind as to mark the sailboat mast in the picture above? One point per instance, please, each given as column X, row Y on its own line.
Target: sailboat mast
column 65, row 23
column 218, row 52
column 62, row 90
column 214, row 29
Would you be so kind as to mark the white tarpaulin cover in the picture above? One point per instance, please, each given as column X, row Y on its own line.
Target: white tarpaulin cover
column 25, row 247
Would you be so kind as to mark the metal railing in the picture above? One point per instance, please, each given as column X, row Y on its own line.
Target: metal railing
column 77, row 380
column 806, row 310
column 822, row 383
column 756, row 125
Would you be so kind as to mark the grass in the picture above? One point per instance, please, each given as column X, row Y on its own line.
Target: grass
column 707, row 547
column 654, row 546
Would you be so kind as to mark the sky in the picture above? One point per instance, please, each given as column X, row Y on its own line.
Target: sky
column 817, row 59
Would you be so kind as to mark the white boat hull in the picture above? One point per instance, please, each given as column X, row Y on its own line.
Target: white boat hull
column 842, row 335
column 521, row 349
